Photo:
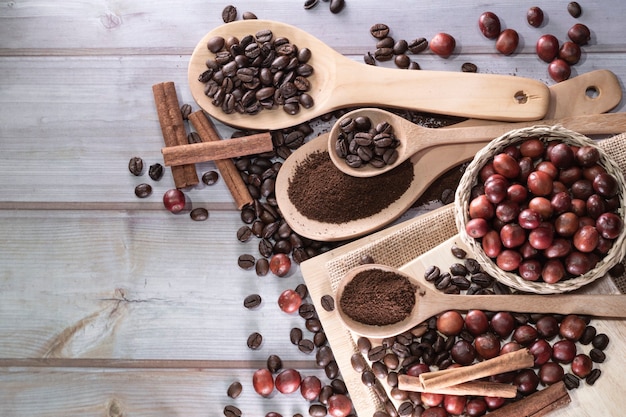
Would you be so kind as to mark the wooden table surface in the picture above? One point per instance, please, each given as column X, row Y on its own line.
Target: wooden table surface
column 110, row 305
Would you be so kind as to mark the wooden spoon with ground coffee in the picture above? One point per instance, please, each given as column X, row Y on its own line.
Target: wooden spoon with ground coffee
column 379, row 301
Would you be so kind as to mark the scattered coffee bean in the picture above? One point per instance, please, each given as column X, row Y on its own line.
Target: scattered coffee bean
column 199, row 214
column 274, row 363
column 155, row 171
column 234, row 389
column 232, row 411
column 593, row 376
column 600, row 341
column 135, row 166
column 571, row 381
column 306, row 346
column 337, row 5
column 185, row 110
column 328, row 302
column 309, row 4
column 246, row 261
column 302, row 291
column 248, row 16
column 369, row 59
column 417, row 45
column 244, row 233
column 295, row 335
column 458, row 252
column 574, row 9
column 143, row 190
column 469, row 67
column 597, row 355
column 229, row 14
column 379, row 30
column 432, row 273
column 210, row 177
column 262, row 267
column 193, row 137
column 252, row 301
column 588, row 334
column 255, row 340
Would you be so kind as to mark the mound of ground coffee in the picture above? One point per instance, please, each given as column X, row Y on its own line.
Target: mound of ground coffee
column 377, row 297
column 320, row 191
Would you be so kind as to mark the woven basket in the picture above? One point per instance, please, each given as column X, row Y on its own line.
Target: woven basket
column 469, row 179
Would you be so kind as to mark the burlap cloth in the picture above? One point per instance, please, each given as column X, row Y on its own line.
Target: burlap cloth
column 423, row 233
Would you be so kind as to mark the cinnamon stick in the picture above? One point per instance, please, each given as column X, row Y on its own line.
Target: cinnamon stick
column 217, row 149
column 504, row 363
column 481, row 388
column 173, row 130
column 538, row 404
column 227, row 168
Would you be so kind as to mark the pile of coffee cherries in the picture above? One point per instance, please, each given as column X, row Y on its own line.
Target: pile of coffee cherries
column 546, row 210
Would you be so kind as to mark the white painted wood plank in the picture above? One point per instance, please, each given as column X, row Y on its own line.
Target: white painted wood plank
column 151, row 393
column 135, row 285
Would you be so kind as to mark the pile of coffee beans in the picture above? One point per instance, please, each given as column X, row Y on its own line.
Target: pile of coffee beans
column 335, row 6
column 388, row 48
column 360, row 143
column 257, row 72
column 546, row 210
column 559, row 56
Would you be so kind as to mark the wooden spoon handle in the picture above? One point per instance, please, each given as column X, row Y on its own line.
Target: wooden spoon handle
column 482, row 96
column 600, row 305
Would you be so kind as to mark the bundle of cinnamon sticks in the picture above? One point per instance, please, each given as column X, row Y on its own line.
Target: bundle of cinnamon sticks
column 465, row 381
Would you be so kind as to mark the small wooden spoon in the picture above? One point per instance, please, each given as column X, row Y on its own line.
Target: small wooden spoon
column 339, row 82
column 429, row 302
column 414, row 138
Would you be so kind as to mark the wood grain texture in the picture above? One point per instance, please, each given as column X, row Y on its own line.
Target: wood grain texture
column 111, row 306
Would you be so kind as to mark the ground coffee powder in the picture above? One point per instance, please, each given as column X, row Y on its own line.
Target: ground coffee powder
column 378, row 297
column 322, row 192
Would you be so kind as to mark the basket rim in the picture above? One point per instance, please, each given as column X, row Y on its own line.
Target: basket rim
column 470, row 178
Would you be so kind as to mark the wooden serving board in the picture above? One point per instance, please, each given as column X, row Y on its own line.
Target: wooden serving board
column 408, row 246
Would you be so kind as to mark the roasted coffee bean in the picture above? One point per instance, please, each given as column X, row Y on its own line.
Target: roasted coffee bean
column 303, row 292
column 447, row 196
column 155, row 171
column 210, row 177
column 458, row 252
column 328, row 302
column 597, row 355
column 376, row 353
column 460, row 282
column 482, row 279
column 337, row 5
column 358, row 362
column 199, row 214
column 306, row 346
column 246, row 261
column 266, row 248
column 383, row 54
column 417, row 45
column 458, row 269
column 472, row 265
column 274, row 363
column 262, row 267
column 571, row 381
column 593, row 376
column 363, row 345
column 229, row 14
column 379, row 30
column 232, row 411
column 574, row 9
column 318, row 410
column 443, row 281
column 295, row 335
column 252, row 301
column 255, row 340
column 600, row 341
column 332, row 369
column 432, row 273
column 135, row 166
column 369, row 59
column 368, row 378
column 143, row 190
column 469, row 67
column 306, row 311
column 193, row 137
column 244, row 233
column 248, row 215
column 309, row 4
column 248, row 16
column 380, row 370
column 588, row 334
column 319, row 338
column 234, row 389
column 402, row 61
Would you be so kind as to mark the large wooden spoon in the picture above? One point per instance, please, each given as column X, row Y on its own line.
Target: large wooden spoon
column 414, row 138
column 339, row 82
column 429, row 302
